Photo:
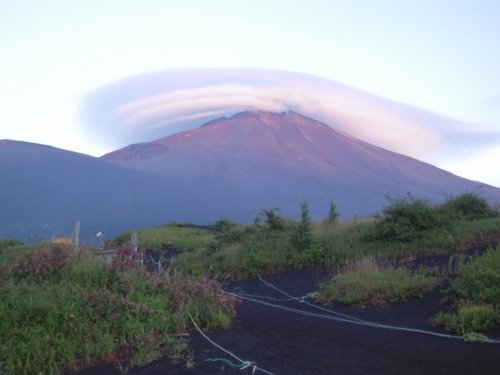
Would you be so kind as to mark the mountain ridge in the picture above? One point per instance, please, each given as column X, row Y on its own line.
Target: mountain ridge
column 231, row 168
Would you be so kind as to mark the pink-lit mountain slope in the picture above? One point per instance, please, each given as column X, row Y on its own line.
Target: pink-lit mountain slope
column 256, row 160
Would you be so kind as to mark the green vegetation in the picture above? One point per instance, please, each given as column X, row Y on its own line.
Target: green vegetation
column 276, row 243
column 469, row 319
column 183, row 236
column 301, row 235
column 477, row 289
column 332, row 214
column 408, row 220
column 365, row 282
column 63, row 310
column 479, row 280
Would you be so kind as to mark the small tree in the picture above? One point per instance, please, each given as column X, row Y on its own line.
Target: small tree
column 332, row 214
column 301, row 236
column 273, row 220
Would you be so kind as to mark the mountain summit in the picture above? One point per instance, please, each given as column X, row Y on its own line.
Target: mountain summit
column 255, row 160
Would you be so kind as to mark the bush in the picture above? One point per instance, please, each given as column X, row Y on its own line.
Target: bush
column 202, row 298
column 469, row 206
column 478, row 287
column 469, row 319
column 479, row 280
column 365, row 282
column 38, row 265
column 407, row 220
column 5, row 244
column 228, row 231
column 62, row 310
column 301, row 235
column 273, row 221
column 332, row 214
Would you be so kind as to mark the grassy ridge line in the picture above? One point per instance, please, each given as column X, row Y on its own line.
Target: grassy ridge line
column 244, row 251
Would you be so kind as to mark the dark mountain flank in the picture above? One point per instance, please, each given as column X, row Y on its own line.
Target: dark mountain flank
column 45, row 190
column 229, row 168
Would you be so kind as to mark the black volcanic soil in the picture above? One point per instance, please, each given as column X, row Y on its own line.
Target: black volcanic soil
column 283, row 342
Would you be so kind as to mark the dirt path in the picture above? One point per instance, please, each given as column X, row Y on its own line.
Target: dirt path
column 286, row 343
column 283, row 342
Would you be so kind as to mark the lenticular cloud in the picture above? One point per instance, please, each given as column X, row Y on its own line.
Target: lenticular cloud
column 150, row 106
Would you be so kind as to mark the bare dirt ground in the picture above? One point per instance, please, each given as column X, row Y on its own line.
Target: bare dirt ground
column 288, row 343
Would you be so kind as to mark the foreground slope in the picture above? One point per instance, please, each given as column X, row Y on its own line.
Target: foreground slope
column 262, row 160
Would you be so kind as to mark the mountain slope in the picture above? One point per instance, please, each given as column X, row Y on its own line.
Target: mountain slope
column 260, row 160
column 45, row 190
column 229, row 168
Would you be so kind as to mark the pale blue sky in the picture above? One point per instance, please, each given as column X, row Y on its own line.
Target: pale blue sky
column 439, row 55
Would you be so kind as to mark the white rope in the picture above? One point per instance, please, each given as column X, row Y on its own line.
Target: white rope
column 245, row 364
column 310, row 304
column 348, row 318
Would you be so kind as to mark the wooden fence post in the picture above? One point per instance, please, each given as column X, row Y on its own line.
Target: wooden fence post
column 76, row 238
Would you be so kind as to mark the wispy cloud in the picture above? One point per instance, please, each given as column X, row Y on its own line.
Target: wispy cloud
column 150, row 106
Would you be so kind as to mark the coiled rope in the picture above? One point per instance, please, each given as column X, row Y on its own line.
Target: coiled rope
column 344, row 317
column 243, row 364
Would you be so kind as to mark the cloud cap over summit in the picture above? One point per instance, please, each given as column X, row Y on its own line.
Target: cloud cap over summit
column 149, row 106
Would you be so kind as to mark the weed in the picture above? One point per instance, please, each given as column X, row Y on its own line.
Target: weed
column 478, row 286
column 365, row 281
column 469, row 319
column 39, row 265
column 62, row 310
column 479, row 279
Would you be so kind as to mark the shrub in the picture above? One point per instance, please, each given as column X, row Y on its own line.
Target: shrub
column 126, row 258
column 5, row 244
column 38, row 265
column 203, row 298
column 332, row 214
column 469, row 319
column 478, row 285
column 469, row 206
column 479, row 280
column 407, row 220
column 366, row 282
column 63, row 310
column 301, row 235
column 228, row 231
column 273, row 221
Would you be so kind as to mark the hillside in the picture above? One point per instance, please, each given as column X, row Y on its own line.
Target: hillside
column 45, row 190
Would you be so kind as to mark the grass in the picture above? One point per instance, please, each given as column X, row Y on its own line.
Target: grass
column 62, row 311
column 257, row 248
column 182, row 236
column 405, row 229
column 365, row 282
column 476, row 290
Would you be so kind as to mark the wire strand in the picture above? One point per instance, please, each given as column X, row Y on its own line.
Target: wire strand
column 244, row 364
column 348, row 318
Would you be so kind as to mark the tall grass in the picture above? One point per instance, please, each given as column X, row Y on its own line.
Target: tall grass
column 182, row 236
column 476, row 289
column 367, row 282
column 61, row 311
column 407, row 228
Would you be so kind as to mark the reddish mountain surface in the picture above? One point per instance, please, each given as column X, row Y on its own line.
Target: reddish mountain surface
column 256, row 160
